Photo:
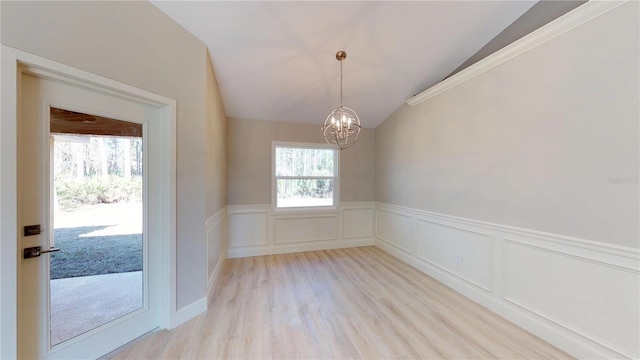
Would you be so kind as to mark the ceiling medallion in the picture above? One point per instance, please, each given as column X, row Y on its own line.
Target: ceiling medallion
column 342, row 127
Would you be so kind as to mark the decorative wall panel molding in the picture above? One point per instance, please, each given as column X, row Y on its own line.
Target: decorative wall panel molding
column 582, row 296
column 357, row 222
column 248, row 228
column 395, row 228
column 260, row 230
column 308, row 228
column 216, row 229
column 445, row 247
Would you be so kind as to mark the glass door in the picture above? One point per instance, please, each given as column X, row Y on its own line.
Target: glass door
column 89, row 269
column 97, row 216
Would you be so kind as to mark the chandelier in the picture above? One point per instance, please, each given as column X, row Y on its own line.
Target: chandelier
column 342, row 127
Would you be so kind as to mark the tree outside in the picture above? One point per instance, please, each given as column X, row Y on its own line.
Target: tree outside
column 304, row 176
column 97, row 169
column 97, row 205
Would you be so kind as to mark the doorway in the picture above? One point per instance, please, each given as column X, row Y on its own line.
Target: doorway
column 39, row 331
column 97, row 215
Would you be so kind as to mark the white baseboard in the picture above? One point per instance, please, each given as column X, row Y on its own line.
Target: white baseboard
column 579, row 295
column 189, row 312
column 216, row 244
column 260, row 230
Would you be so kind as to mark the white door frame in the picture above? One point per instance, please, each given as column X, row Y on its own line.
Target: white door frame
column 13, row 61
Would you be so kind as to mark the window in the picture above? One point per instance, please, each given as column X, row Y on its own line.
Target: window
column 304, row 175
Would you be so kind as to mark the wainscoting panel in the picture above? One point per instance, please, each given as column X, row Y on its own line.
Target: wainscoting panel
column 216, row 228
column 605, row 309
column 395, row 229
column 580, row 295
column 464, row 253
column 260, row 230
column 292, row 229
column 358, row 223
column 248, row 228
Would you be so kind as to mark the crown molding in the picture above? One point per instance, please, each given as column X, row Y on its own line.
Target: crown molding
column 571, row 20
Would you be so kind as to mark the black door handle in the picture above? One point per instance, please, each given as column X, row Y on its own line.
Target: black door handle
column 36, row 251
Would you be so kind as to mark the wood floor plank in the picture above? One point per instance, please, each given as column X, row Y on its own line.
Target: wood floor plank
column 358, row 303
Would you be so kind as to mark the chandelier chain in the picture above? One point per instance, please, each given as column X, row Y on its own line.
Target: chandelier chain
column 340, row 83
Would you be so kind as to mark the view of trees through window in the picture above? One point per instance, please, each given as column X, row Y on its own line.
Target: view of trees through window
column 97, row 169
column 304, row 176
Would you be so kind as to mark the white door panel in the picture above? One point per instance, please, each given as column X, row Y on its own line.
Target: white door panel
column 34, row 207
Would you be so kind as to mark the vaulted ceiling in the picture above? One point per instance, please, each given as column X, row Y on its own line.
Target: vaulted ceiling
column 276, row 60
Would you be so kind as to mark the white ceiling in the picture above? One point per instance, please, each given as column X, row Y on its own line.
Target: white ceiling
column 276, row 60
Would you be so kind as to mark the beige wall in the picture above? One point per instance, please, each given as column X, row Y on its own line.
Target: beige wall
column 249, row 160
column 216, row 146
column 216, row 198
column 546, row 141
column 136, row 44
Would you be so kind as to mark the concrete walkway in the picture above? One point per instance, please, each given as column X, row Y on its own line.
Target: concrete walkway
column 83, row 303
column 79, row 304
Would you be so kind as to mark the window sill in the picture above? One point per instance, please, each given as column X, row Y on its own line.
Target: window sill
column 304, row 210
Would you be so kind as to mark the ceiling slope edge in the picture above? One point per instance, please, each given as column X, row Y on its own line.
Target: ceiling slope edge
column 555, row 28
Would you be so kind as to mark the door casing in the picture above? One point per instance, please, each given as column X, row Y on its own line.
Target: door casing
column 14, row 64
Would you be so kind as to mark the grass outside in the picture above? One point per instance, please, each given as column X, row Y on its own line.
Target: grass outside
column 94, row 255
column 109, row 241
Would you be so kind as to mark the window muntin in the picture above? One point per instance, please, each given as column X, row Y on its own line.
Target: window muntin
column 305, row 175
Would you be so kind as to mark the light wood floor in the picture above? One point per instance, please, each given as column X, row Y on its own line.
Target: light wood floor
column 338, row 304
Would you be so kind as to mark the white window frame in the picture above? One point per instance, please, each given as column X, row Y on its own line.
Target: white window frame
column 274, row 178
